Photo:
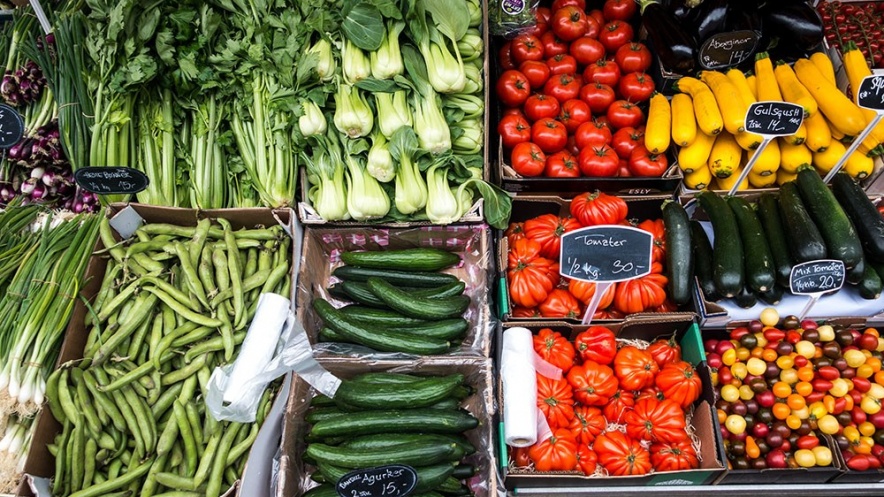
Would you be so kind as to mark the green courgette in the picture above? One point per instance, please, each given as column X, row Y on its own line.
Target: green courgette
column 758, row 263
column 395, row 277
column 679, row 260
column 769, row 214
column 856, row 274
column 837, row 230
column 727, row 257
column 425, row 453
column 421, row 393
column 805, row 240
column 418, row 307
column 403, row 420
column 415, row 259
column 703, row 267
column 772, row 296
column 871, row 285
column 867, row 221
column 746, row 298
column 381, row 317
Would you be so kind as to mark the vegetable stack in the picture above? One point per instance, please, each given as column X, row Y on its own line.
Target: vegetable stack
column 175, row 302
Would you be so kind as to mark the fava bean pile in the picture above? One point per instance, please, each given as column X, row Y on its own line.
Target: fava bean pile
column 175, row 302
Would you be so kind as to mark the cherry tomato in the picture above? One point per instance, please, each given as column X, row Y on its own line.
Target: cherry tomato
column 622, row 114
column 550, row 135
column 626, row 140
column 536, row 71
column 592, row 134
column 598, row 96
column 561, row 165
column 636, row 87
column 505, row 56
column 541, row 22
column 598, row 161
column 527, row 159
column 633, row 57
column 568, row 23
column 644, row 163
column 562, row 64
column 621, row 10
column 552, row 45
column 513, row 88
column 514, row 129
column 558, row 4
column 574, row 113
column 615, row 34
column 603, row 71
column 526, row 47
column 539, row 106
column 587, row 50
column 563, row 87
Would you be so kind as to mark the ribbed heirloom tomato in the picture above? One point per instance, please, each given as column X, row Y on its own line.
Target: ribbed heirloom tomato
column 656, row 228
column 656, row 421
column 621, row 455
column 531, row 276
column 585, row 290
column 560, row 304
column 587, row 460
column 680, row 382
column 554, row 349
column 557, row 453
column 547, row 230
column 593, row 383
column 588, row 423
column 596, row 343
column 674, row 456
column 640, row 294
column 622, row 402
column 555, row 400
column 665, row 351
column 635, row 368
column 596, row 208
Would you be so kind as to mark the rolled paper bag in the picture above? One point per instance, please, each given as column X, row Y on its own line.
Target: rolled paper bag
column 519, row 387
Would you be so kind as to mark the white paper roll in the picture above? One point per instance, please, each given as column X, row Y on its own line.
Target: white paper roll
column 519, row 387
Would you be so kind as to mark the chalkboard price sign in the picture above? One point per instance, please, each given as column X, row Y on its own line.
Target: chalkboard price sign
column 12, row 127
column 606, row 253
column 395, row 480
column 817, row 277
column 871, row 93
column 111, row 180
column 727, row 49
column 774, row 118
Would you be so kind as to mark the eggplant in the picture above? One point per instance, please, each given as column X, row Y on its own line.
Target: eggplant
column 673, row 45
column 794, row 22
column 683, row 9
column 710, row 18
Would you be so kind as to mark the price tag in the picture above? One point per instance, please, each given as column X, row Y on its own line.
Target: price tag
column 870, row 95
column 727, row 49
column 111, row 180
column 395, row 480
column 770, row 120
column 12, row 126
column 816, row 278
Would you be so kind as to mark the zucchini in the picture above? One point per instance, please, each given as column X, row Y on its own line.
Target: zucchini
column 376, row 338
column 426, row 453
column 772, row 296
column 837, row 230
column 421, row 393
column 324, row 490
column 395, row 277
column 805, row 240
column 769, row 215
column 418, row 307
column 758, row 262
column 415, row 259
column 403, row 420
column 358, row 292
column 867, row 221
column 871, row 285
column 428, row 477
column 727, row 255
column 856, row 274
column 381, row 317
column 746, row 298
column 702, row 250
column 387, row 440
column 878, row 267
column 679, row 263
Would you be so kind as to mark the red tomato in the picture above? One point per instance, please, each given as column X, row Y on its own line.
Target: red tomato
column 561, row 165
column 571, row 146
column 626, row 140
column 539, row 106
column 598, row 161
column 644, row 163
column 563, row 87
column 505, row 56
column 636, row 87
column 536, row 71
column 541, row 22
column 558, row 4
column 527, row 159
column 562, row 64
column 587, row 50
column 592, row 134
column 512, row 111
column 513, row 129
column 526, row 47
column 513, row 88
column 622, row 10
column 622, row 114
column 623, row 169
column 574, row 113
column 568, row 23
column 598, row 16
column 598, row 96
column 633, row 57
column 552, row 45
column 615, row 34
column 549, row 134
column 593, row 27
column 603, row 71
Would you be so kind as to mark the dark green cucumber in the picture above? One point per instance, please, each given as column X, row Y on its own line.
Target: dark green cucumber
column 395, row 277
column 679, row 260
column 418, row 307
column 387, row 440
column 425, row 453
column 871, row 285
column 769, row 214
column 328, row 335
column 805, row 240
column 322, row 401
column 337, row 291
column 376, row 337
column 837, row 230
column 449, row 403
column 317, row 477
column 415, row 259
column 772, row 296
column 451, row 486
column 359, row 293
column 403, row 420
column 746, row 298
column 316, row 414
column 443, row 329
column 867, row 221
column 449, row 290
column 384, row 377
column 324, row 490
column 758, row 263
column 428, row 477
column 464, row 471
column 382, row 317
column 727, row 256
column 422, row 393
column 856, row 274
column 703, row 267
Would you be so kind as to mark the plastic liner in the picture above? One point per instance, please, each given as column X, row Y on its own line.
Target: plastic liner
column 509, row 18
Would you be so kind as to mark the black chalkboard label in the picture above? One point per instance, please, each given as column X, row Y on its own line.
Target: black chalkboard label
column 871, row 93
column 109, row 180
column 395, row 480
column 774, row 118
column 817, row 277
column 727, row 49
column 12, row 126
column 606, row 253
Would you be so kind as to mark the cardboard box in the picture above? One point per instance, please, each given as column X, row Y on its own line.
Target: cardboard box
column 294, row 471
column 322, row 248
column 704, row 422
column 40, row 464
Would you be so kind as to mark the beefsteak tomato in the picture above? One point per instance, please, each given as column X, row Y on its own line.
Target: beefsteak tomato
column 635, row 368
column 513, row 130
column 674, row 456
column 621, row 455
column 645, row 164
column 540, row 106
column 529, row 274
column 555, row 349
column 555, row 399
column 537, row 72
column 560, row 304
column 657, row 230
column 680, row 382
column 640, row 294
column 665, row 351
column 526, row 47
column 593, row 383
column 636, row 86
column 588, row 423
column 618, row 405
column 626, row 140
column 621, row 10
column 587, row 460
column 597, row 344
column 615, row 34
column 513, row 88
column 527, row 159
column 550, row 135
column 598, row 161
column 602, row 71
column 656, row 421
column 584, row 291
column 574, row 113
column 633, row 57
column 587, row 50
column 592, row 134
column 562, row 64
column 568, row 23
column 556, row 453
column 515, row 231
column 598, row 96
column 547, row 230
column 623, row 114
column 592, row 209
column 562, row 165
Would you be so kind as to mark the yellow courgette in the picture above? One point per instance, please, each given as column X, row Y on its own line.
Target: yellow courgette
column 819, row 136
column 784, row 176
column 765, row 80
column 800, row 136
column 859, row 165
column 758, row 181
column 748, row 141
column 792, row 89
column 725, row 157
column 696, row 155
column 730, row 181
column 732, row 105
column 699, row 179
column 684, row 123
column 794, row 156
column 752, row 81
column 824, row 64
column 839, row 110
column 706, row 110
column 769, row 160
column 825, row 161
column 857, row 68
column 742, row 84
column 657, row 132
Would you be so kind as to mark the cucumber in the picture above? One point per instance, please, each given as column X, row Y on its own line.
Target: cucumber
column 395, row 277
column 449, row 290
column 679, row 260
column 856, row 274
column 428, row 477
column 449, row 403
column 871, row 285
column 387, row 378
column 403, row 420
column 328, row 335
column 727, row 255
column 867, row 221
column 702, row 252
column 464, row 471
column 416, row 259
column 418, row 307
column 322, row 401
column 758, row 264
column 317, row 414
column 451, row 486
column 772, row 296
column 421, row 393
column 337, row 291
column 382, row 317
column 376, row 338
column 746, row 298
column 425, row 453
column 769, row 214
column 358, row 292
column 324, row 490
column 444, row 329
column 805, row 240
column 836, row 228
column 387, row 440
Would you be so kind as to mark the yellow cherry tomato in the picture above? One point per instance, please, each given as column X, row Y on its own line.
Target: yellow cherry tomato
column 828, row 424
column 739, row 370
column 823, row 455
column 730, row 393
column 805, row 348
column 736, row 424
column 769, row 316
column 786, row 362
column 729, row 357
column 805, row 458
column 839, row 387
column 746, row 392
column 756, row 366
column 827, row 333
column 866, row 429
column 854, row 358
column 870, row 405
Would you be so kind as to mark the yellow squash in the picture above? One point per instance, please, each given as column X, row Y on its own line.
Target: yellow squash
column 824, row 64
column 792, row 89
column 725, row 157
column 699, row 179
column 784, row 176
column 742, row 84
column 696, row 155
column 800, row 136
column 825, row 161
column 837, row 134
column 758, row 181
column 839, row 110
column 730, row 181
column 657, row 132
column 857, row 68
column 748, row 141
column 794, row 156
column 765, row 80
column 752, row 81
column 684, row 124
column 819, row 136
column 706, row 110
column 859, row 165
column 769, row 160
column 731, row 103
